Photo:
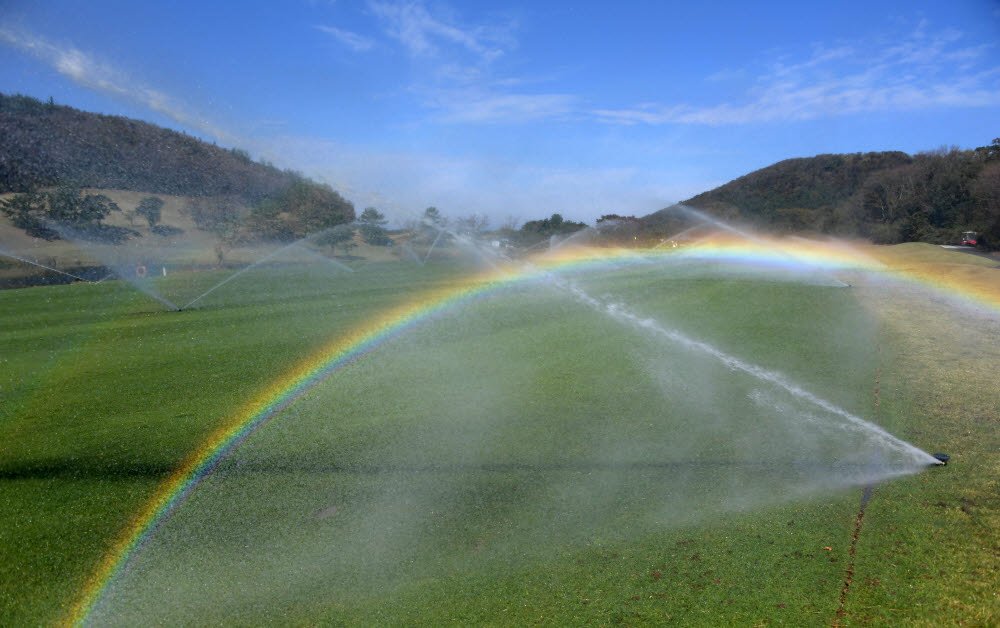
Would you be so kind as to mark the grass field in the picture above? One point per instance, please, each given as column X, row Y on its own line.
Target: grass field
column 518, row 459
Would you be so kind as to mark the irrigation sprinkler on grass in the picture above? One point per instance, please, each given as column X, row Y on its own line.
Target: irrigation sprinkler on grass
column 942, row 458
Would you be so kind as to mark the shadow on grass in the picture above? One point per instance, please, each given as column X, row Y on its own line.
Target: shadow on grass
column 77, row 468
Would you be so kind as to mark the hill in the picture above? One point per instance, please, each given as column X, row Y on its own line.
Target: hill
column 889, row 197
column 813, row 183
column 42, row 144
column 50, row 154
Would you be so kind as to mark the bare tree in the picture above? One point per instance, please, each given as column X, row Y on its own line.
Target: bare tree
column 219, row 216
column 510, row 223
column 472, row 224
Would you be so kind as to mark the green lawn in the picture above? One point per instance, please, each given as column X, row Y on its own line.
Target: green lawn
column 522, row 458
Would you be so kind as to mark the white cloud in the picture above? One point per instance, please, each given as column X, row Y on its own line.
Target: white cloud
column 357, row 43
column 820, row 56
column 456, row 64
column 88, row 71
column 423, row 34
column 922, row 71
column 403, row 183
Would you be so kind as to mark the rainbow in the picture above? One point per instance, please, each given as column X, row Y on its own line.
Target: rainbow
column 343, row 350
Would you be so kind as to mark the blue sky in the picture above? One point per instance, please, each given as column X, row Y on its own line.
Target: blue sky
column 522, row 108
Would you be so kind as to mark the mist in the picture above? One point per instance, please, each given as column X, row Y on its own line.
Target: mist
column 536, row 418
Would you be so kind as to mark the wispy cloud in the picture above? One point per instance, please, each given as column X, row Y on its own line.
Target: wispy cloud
column 484, row 105
column 458, row 79
column 354, row 41
column 821, row 56
column 921, row 71
column 88, row 71
column 424, row 34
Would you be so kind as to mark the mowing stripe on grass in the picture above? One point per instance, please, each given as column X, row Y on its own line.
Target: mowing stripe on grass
column 343, row 350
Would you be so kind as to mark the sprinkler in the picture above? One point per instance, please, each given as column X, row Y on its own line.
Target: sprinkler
column 942, row 458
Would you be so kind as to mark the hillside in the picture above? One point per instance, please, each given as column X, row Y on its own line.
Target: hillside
column 890, row 197
column 812, row 183
column 51, row 155
column 42, row 144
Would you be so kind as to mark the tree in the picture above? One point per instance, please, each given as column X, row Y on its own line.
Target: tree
column 299, row 210
column 473, row 223
column 371, row 224
column 986, row 193
column 26, row 211
column 430, row 226
column 553, row 225
column 220, row 217
column 510, row 223
column 65, row 212
column 535, row 231
column 620, row 229
column 341, row 235
column 372, row 216
column 150, row 208
column 434, row 218
column 68, row 206
column 991, row 152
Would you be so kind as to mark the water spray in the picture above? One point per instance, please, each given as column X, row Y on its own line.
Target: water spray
column 433, row 244
column 261, row 261
column 323, row 258
column 28, row 261
column 619, row 313
column 690, row 211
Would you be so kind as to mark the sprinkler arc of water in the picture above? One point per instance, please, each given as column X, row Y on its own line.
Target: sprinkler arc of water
column 413, row 254
column 433, row 244
column 705, row 218
column 638, row 321
column 40, row 265
column 260, row 261
column 732, row 362
column 618, row 312
column 621, row 314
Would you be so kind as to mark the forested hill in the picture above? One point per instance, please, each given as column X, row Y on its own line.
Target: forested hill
column 42, row 144
column 806, row 183
column 889, row 197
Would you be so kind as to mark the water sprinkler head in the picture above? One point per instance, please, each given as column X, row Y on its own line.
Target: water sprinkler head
column 942, row 458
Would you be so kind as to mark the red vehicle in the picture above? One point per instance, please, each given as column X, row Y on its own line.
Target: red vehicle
column 969, row 238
